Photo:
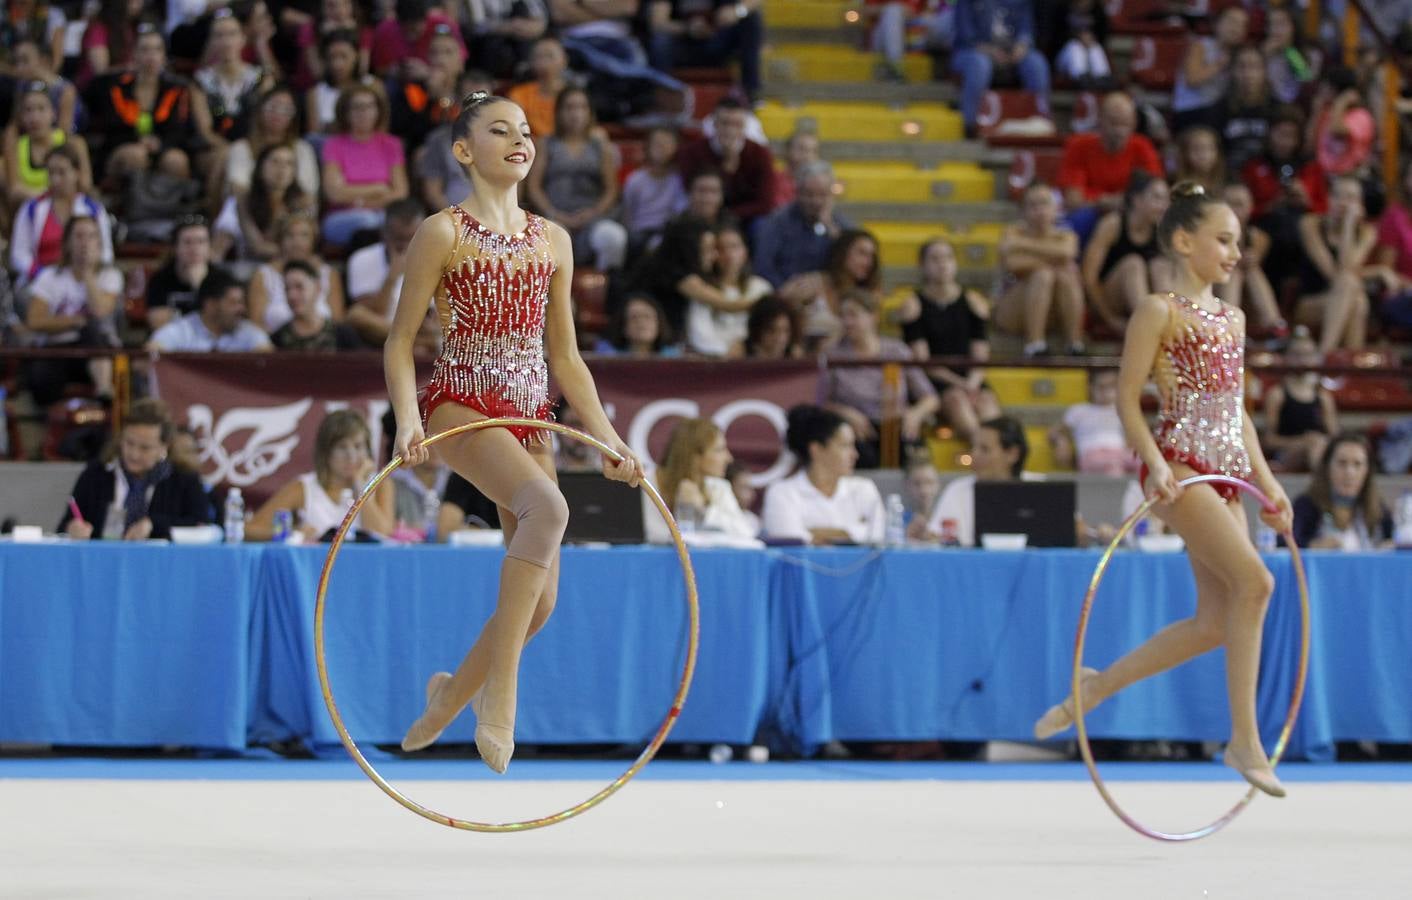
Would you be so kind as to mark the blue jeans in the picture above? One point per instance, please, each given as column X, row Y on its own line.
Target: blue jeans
column 743, row 40
column 976, row 69
column 341, row 225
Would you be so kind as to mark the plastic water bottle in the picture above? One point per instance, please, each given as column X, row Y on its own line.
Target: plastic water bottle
column 1402, row 532
column 721, row 753
column 235, row 517
column 895, row 532
column 1265, row 538
column 431, row 511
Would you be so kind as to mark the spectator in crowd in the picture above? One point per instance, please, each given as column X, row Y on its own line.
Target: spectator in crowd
column 894, row 20
column 640, row 330
column 1200, row 160
column 464, row 507
column 1336, row 249
column 443, row 179
column 696, row 33
column 74, row 304
column 1097, row 168
column 1249, row 288
column 375, row 273
column 1341, row 129
column 309, row 326
column 746, row 494
column 1205, row 73
column 219, row 325
column 823, row 502
column 41, row 224
column 653, row 194
column 109, row 39
column 417, row 106
column 248, row 220
column 747, row 168
column 270, row 308
column 135, row 116
column 340, row 70
column 1393, row 254
column 29, row 63
column 156, row 198
column 706, row 200
column 1090, row 437
column 503, row 34
column 417, row 502
column 364, row 166
column 991, row 34
column 549, row 65
column 772, row 331
column 1283, row 180
column 1039, row 256
column 794, row 240
column 692, row 481
column 680, row 269
column 852, row 265
column 719, row 310
column 139, row 490
column 921, row 486
column 800, row 149
column 942, row 318
column 401, row 42
column 861, row 395
column 1343, row 510
column 343, row 463
column 275, row 123
column 1300, row 413
column 1290, row 66
column 225, row 89
column 315, row 36
column 997, row 454
column 29, row 143
column 1248, row 109
column 574, row 181
column 1123, row 261
column 1081, row 58
column 571, row 455
column 171, row 291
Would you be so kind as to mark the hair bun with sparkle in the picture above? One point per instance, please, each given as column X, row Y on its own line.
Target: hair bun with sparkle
column 1185, row 212
column 1184, row 189
column 475, row 98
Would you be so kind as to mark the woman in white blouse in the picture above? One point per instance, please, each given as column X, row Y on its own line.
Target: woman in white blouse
column 824, row 502
column 692, row 481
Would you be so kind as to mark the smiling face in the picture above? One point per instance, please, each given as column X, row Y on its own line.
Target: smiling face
column 1212, row 248
column 496, row 143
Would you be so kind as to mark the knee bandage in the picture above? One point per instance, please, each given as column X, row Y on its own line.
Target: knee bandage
column 542, row 515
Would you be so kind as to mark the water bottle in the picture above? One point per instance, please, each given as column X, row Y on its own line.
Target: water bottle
column 235, row 517
column 1402, row 532
column 431, row 511
column 895, row 531
column 721, row 753
column 345, row 503
column 1265, row 538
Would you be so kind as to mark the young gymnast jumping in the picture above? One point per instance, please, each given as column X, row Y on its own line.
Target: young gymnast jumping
column 500, row 279
column 1193, row 346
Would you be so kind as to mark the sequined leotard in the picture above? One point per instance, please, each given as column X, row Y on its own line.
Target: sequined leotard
column 1200, row 378
column 491, row 301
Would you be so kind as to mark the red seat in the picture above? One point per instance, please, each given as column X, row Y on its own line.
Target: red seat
column 1030, row 166
column 1156, row 61
column 1381, row 389
column 999, row 107
column 1141, row 17
column 631, row 155
column 706, row 97
column 705, row 75
column 1085, row 115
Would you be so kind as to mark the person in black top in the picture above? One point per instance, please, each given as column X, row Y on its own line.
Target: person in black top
column 171, row 293
column 137, row 492
column 462, row 506
column 1300, row 411
column 1123, row 263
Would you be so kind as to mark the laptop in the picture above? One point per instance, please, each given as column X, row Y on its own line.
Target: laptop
column 1041, row 510
column 601, row 511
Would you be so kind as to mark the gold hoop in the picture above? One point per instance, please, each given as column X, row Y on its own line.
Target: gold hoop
column 688, row 669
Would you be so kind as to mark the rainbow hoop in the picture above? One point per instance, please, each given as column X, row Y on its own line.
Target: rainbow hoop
column 1077, row 686
column 688, row 669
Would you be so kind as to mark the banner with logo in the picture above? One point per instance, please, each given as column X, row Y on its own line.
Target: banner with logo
column 255, row 416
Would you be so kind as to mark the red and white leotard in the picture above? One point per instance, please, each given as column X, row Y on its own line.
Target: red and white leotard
column 1200, row 378
column 491, row 301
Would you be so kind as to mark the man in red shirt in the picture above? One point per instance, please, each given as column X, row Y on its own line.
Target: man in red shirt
column 401, row 43
column 1096, row 167
column 747, row 168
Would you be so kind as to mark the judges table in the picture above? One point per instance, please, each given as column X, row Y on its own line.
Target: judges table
column 137, row 645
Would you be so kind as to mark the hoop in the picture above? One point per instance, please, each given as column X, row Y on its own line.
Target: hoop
column 688, row 669
column 1077, row 686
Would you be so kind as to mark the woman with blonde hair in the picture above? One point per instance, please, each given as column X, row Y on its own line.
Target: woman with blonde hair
column 692, row 481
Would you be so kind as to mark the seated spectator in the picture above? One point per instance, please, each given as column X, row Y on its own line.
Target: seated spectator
column 853, row 265
column 313, row 39
column 549, row 65
column 375, row 274
column 574, row 181
column 108, row 39
column 1336, row 250
column 1097, row 168
column 1283, row 177
column 1342, row 510
column 747, row 168
column 417, row 501
column 921, row 486
column 138, row 490
column 719, row 310
column 275, row 122
column 1290, row 66
column 823, row 502
column 1199, row 159
column 706, row 200
column 248, row 221
column 417, row 106
column 745, row 495
column 686, row 33
column 341, row 68
column 503, row 32
column 224, row 91
column 794, row 240
column 28, row 144
column 218, row 326
column 1248, row 109
column 997, row 454
column 1205, row 73
column 402, row 42
column 991, row 34
column 861, row 395
column 136, row 116
column 1090, row 438
column 1248, row 287
column 309, row 326
column 679, row 270
column 29, row 63
column 653, row 194
column 772, row 331
column 1123, row 261
column 343, row 463
column 295, row 235
column 800, row 149
column 41, row 224
column 1342, row 129
column 893, row 22
column 941, row 318
column 1393, row 254
column 74, row 304
column 171, row 291
column 692, row 482
column 1300, row 413
column 1081, row 58
column 463, row 507
column 640, row 330
column 1039, row 256
column 443, row 179
column 364, row 166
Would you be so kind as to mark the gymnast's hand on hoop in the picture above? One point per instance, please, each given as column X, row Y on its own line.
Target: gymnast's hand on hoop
column 1161, row 482
column 408, row 444
column 1282, row 517
column 629, row 470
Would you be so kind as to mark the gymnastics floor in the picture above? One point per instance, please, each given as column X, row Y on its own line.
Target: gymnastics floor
column 255, row 828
